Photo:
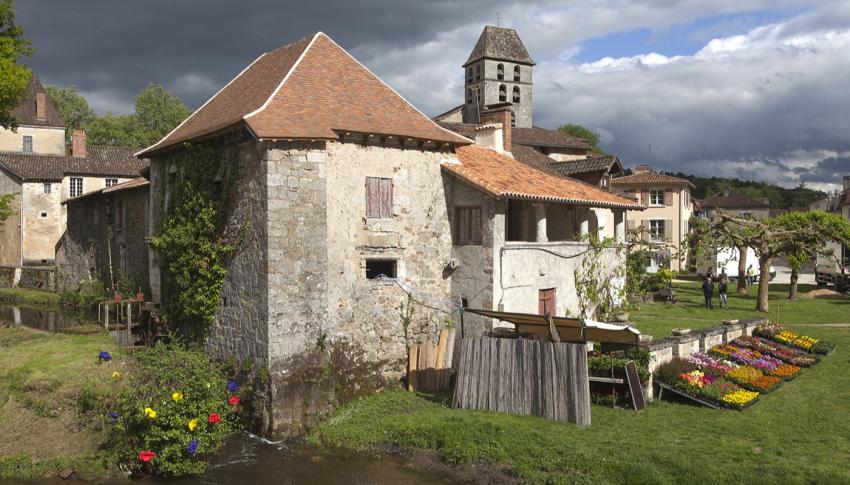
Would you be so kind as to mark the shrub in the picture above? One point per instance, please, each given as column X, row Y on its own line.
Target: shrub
column 175, row 408
column 90, row 292
column 669, row 372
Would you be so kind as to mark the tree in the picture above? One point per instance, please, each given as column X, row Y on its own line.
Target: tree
column 14, row 77
column 72, row 107
column 6, row 207
column 579, row 131
column 785, row 235
column 109, row 129
column 796, row 261
column 157, row 113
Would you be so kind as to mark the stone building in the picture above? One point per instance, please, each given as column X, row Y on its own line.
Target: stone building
column 36, row 164
column 668, row 213
column 351, row 199
column 735, row 202
column 106, row 238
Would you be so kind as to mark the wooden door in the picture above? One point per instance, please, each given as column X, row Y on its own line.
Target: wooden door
column 546, row 302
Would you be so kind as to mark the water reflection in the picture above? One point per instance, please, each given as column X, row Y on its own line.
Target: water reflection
column 41, row 319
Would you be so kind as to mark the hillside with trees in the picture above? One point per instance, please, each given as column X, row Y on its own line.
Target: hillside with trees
column 780, row 197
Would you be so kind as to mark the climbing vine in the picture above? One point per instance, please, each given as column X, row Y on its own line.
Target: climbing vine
column 195, row 239
column 601, row 291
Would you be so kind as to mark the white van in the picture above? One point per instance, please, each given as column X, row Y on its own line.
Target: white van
column 728, row 258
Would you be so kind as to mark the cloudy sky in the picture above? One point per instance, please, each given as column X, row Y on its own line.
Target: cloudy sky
column 753, row 89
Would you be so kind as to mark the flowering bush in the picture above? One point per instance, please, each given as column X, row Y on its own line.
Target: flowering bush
column 172, row 411
column 739, row 398
column 709, row 364
column 766, row 363
column 778, row 333
column 795, row 339
column 696, row 378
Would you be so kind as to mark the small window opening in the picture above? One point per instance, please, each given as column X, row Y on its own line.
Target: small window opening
column 478, row 72
column 500, row 72
column 503, row 93
column 43, row 214
column 378, row 267
column 27, row 148
column 516, row 74
column 47, row 187
column 516, row 94
column 464, row 302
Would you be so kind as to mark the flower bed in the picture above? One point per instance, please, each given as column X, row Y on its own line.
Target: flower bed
column 778, row 333
column 736, row 374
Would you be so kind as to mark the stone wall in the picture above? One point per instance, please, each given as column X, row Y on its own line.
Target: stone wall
column 10, row 230
column 81, row 252
column 42, row 223
column 45, row 140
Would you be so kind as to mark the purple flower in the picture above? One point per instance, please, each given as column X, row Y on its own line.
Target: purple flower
column 104, row 356
column 232, row 386
column 193, row 446
column 113, row 416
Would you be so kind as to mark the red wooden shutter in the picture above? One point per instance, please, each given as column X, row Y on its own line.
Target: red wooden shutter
column 379, row 198
column 546, row 302
column 386, row 198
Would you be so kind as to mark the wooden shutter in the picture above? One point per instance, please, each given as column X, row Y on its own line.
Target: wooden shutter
column 644, row 230
column 379, row 197
column 668, row 230
column 468, row 225
column 476, row 223
column 644, row 197
column 546, row 302
column 668, row 197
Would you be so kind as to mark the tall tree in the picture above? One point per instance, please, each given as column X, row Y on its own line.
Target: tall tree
column 110, row 129
column 158, row 111
column 579, row 131
column 14, row 77
column 785, row 235
column 72, row 107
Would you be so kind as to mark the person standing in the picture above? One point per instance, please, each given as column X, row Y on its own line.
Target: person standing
column 722, row 288
column 708, row 291
column 751, row 275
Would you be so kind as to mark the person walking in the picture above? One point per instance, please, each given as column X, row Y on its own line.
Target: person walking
column 751, row 275
column 722, row 288
column 708, row 291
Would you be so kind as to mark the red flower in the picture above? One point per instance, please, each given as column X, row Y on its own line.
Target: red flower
column 233, row 401
column 214, row 418
column 146, row 455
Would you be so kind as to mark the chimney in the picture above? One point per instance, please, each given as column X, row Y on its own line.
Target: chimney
column 41, row 106
column 847, row 184
column 490, row 135
column 78, row 144
column 499, row 114
column 642, row 169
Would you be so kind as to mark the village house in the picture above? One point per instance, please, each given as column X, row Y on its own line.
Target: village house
column 736, row 203
column 36, row 164
column 351, row 199
column 666, row 219
column 106, row 238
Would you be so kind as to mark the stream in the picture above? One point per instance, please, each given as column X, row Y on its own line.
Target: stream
column 49, row 320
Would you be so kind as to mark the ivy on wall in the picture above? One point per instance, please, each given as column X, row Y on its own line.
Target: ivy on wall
column 195, row 238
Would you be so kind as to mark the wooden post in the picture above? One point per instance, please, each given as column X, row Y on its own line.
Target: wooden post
column 553, row 331
column 412, row 371
column 441, row 356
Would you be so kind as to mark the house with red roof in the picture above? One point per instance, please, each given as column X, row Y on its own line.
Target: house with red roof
column 349, row 199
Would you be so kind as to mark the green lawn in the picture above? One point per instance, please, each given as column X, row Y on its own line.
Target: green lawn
column 797, row 434
column 44, row 421
column 27, row 297
column 657, row 319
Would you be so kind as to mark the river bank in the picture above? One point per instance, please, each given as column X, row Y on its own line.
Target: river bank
column 27, row 297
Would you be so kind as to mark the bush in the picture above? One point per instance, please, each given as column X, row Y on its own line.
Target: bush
column 168, row 405
column 618, row 360
column 90, row 292
column 669, row 372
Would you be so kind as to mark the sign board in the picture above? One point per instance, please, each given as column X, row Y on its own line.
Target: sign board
column 635, row 387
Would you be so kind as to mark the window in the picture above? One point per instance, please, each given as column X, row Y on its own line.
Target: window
column 746, row 215
column 46, row 187
column 656, row 197
column 516, row 74
column 503, row 93
column 379, row 198
column 500, row 72
column 119, row 215
column 43, row 214
column 27, row 148
column 76, row 188
column 468, row 96
column 656, row 230
column 111, row 182
column 516, row 94
column 468, row 74
column 380, row 267
column 478, row 72
column 467, row 225
column 546, row 301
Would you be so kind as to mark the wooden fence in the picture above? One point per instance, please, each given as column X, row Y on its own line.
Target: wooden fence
column 523, row 376
column 429, row 366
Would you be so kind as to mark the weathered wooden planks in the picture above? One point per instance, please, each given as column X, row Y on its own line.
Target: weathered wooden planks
column 524, row 377
column 429, row 365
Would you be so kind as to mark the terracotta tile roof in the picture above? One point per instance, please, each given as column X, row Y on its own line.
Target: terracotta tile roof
column 530, row 155
column 136, row 183
column 504, row 177
column 649, row 178
column 310, row 89
column 845, row 199
column 600, row 163
column 100, row 160
column 534, row 137
column 26, row 113
column 731, row 199
column 501, row 44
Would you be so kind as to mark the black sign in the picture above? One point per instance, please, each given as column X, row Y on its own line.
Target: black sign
column 635, row 388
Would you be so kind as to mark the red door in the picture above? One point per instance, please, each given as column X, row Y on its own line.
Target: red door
column 546, row 302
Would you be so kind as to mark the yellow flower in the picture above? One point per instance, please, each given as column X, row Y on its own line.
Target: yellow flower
column 193, row 424
column 150, row 413
column 177, row 396
column 116, row 375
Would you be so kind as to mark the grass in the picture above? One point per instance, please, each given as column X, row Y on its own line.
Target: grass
column 657, row 319
column 796, row 434
column 25, row 296
column 44, row 379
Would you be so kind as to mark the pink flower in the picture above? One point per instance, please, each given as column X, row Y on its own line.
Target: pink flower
column 233, row 400
column 214, row 418
column 146, row 455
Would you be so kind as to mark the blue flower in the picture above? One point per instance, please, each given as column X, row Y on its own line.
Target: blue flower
column 193, row 447
column 232, row 386
column 113, row 416
column 104, row 356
